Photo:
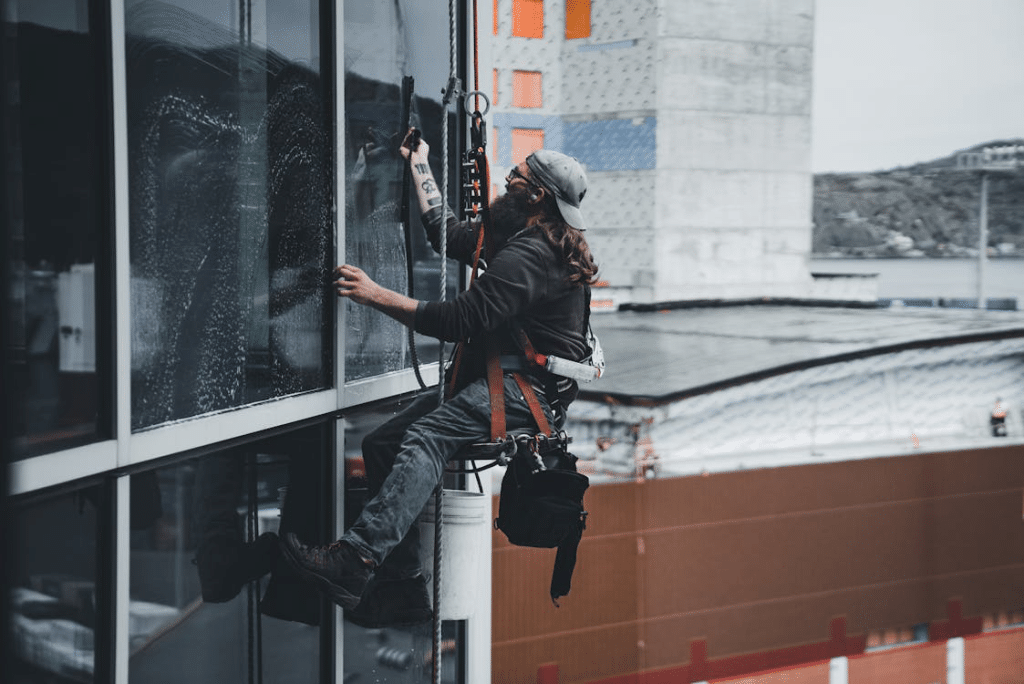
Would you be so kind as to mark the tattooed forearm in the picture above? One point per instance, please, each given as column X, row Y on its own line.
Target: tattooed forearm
column 426, row 186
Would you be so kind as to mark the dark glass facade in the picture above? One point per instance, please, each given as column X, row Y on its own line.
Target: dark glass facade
column 393, row 655
column 210, row 599
column 56, row 133
column 230, row 168
column 171, row 222
column 54, row 570
column 384, row 44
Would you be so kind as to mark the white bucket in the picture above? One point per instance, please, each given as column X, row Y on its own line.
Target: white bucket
column 464, row 537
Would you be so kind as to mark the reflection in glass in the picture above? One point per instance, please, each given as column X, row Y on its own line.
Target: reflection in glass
column 383, row 43
column 53, row 593
column 393, row 655
column 231, row 200
column 55, row 127
column 210, row 599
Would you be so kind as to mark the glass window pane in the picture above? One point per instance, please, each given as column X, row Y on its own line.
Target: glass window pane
column 391, row 655
column 230, row 167
column 211, row 601
column 53, row 592
column 55, row 130
column 385, row 42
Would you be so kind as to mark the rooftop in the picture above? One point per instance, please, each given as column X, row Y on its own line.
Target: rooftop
column 659, row 357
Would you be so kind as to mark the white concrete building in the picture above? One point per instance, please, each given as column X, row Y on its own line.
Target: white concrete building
column 694, row 122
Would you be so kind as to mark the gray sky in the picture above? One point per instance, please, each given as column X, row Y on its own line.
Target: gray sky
column 902, row 81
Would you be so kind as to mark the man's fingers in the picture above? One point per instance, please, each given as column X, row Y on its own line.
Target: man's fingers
column 346, row 271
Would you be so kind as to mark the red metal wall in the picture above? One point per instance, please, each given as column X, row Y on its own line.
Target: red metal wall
column 700, row 578
column 995, row 658
column 924, row 664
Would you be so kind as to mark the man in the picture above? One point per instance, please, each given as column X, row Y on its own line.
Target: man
column 538, row 276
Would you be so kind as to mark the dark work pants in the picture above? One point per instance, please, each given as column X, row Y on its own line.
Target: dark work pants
column 405, row 459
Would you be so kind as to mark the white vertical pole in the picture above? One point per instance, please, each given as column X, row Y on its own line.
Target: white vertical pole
column 982, row 240
column 478, row 627
column 839, row 671
column 122, row 580
column 955, row 661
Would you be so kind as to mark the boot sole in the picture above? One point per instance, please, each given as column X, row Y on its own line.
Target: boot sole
column 335, row 592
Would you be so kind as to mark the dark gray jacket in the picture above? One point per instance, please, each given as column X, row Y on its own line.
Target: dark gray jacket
column 526, row 283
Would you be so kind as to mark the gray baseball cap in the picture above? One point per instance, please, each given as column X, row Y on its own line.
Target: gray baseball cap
column 563, row 177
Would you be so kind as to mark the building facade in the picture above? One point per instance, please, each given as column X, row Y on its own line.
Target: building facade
column 693, row 120
column 180, row 179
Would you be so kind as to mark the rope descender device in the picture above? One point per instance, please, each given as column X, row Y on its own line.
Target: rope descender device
column 476, row 181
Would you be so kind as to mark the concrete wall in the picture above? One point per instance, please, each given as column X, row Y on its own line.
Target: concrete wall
column 734, row 141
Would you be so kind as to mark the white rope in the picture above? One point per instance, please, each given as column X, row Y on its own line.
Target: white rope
column 451, row 95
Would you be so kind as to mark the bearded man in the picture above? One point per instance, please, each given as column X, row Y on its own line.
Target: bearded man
column 537, row 279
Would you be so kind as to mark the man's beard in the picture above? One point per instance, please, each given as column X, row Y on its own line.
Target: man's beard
column 509, row 214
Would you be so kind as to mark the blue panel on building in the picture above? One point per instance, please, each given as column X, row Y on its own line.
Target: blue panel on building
column 612, row 144
column 606, row 145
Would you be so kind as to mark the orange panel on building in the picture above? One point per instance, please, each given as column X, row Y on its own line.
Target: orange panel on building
column 527, row 89
column 528, row 18
column 925, row 664
column 577, row 19
column 494, row 89
column 526, row 141
column 994, row 658
column 494, row 14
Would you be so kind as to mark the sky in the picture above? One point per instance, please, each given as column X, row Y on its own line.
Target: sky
column 902, row 81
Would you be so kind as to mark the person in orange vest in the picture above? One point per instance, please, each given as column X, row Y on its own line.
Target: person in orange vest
column 998, row 420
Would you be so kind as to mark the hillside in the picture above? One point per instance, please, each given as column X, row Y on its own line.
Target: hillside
column 927, row 209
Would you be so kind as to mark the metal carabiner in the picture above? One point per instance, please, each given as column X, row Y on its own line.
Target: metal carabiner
column 474, row 93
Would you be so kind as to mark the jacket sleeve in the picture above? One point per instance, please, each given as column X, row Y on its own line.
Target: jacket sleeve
column 516, row 279
column 461, row 236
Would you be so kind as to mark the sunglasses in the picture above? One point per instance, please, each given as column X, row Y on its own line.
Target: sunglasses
column 515, row 175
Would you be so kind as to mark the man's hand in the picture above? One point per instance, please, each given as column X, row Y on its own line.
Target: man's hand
column 422, row 153
column 353, row 283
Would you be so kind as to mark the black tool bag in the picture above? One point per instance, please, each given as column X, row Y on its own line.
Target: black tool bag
column 541, row 504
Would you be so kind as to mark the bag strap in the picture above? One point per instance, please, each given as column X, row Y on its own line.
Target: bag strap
column 565, row 563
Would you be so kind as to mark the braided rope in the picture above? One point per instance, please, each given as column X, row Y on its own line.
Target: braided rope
column 450, row 95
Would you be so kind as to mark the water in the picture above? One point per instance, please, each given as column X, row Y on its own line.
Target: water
column 902, row 278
